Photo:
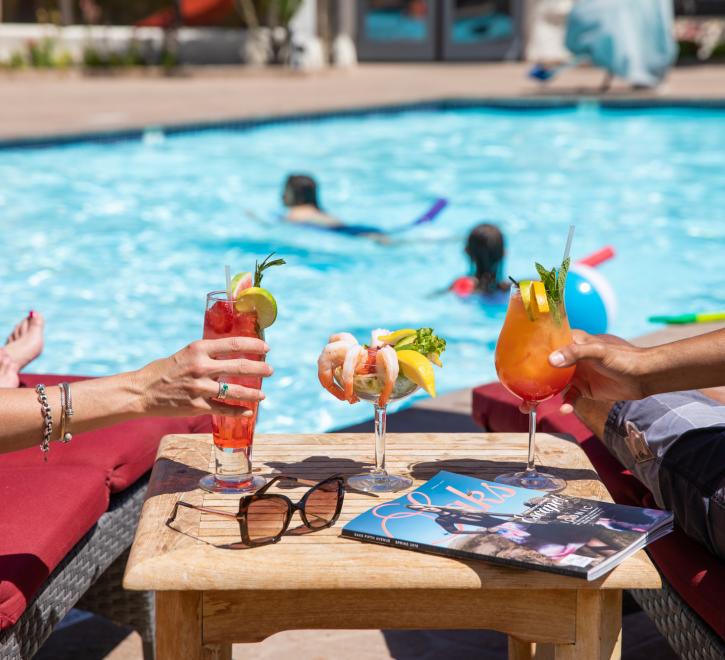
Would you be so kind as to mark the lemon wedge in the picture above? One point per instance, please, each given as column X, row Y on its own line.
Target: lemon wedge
column 435, row 358
column 539, row 299
column 394, row 337
column 417, row 367
column 533, row 296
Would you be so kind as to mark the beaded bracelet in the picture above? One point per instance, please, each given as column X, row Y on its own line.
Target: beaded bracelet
column 66, row 412
column 47, row 420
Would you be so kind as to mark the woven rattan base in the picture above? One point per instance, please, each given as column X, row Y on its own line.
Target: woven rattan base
column 95, row 568
column 688, row 635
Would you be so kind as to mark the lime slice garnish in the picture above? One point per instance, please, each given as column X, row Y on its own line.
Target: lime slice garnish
column 261, row 301
column 396, row 337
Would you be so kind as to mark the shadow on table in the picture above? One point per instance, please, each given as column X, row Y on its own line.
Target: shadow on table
column 489, row 470
column 173, row 477
column 319, row 467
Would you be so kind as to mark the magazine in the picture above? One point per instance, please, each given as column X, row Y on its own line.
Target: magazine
column 465, row 517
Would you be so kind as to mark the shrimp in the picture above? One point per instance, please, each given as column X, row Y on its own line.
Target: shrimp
column 375, row 337
column 354, row 358
column 332, row 356
column 386, row 366
column 342, row 336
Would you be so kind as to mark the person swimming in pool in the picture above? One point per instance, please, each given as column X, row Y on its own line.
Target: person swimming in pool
column 301, row 201
column 485, row 248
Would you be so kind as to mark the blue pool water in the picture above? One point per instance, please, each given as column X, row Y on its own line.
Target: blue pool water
column 117, row 244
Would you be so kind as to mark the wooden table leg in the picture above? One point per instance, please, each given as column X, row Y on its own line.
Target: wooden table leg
column 598, row 627
column 179, row 631
column 520, row 649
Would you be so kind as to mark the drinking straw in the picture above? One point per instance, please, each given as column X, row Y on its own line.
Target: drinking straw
column 228, row 273
column 568, row 243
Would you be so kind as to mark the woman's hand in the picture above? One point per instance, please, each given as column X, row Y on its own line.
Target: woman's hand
column 186, row 382
column 607, row 368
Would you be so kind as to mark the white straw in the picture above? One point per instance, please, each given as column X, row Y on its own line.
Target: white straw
column 568, row 243
column 228, row 273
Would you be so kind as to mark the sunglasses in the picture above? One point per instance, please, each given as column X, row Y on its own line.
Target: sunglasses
column 263, row 517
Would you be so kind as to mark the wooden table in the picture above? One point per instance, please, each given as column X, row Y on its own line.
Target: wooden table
column 208, row 597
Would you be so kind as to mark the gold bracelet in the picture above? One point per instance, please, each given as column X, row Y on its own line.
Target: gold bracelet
column 66, row 412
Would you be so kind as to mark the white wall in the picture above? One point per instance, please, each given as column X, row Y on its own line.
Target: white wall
column 196, row 45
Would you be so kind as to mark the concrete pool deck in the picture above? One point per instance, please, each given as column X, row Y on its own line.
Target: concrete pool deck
column 52, row 103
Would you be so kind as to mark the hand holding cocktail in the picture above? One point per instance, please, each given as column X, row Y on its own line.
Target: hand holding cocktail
column 243, row 311
column 535, row 326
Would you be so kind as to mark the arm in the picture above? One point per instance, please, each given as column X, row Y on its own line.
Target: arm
column 610, row 369
column 183, row 384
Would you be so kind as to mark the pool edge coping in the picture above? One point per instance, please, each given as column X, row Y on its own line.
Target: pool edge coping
column 130, row 134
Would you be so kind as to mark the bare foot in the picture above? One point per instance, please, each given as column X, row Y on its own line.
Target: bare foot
column 8, row 371
column 25, row 342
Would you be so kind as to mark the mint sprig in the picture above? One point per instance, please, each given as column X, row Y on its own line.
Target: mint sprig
column 260, row 268
column 555, row 284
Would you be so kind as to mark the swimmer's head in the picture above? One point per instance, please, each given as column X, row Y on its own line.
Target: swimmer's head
column 485, row 247
column 300, row 190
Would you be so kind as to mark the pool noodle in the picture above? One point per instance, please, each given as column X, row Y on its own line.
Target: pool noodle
column 704, row 317
column 598, row 257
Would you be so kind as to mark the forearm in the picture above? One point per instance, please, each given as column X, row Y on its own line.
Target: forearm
column 688, row 364
column 98, row 402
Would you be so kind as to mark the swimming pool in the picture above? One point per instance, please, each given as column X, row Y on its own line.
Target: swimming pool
column 118, row 243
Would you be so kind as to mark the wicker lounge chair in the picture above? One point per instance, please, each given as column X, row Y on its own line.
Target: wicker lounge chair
column 693, row 579
column 89, row 578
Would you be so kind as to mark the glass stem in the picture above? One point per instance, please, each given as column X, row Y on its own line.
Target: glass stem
column 530, row 467
column 380, row 419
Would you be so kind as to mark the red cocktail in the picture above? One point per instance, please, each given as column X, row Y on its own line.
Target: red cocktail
column 233, row 436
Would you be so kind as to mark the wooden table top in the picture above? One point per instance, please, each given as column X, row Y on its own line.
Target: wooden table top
column 163, row 559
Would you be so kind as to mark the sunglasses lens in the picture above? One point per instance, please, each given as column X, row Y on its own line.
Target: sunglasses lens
column 266, row 518
column 321, row 504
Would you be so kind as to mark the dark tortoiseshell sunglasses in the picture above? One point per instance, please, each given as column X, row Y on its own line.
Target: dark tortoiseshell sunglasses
column 264, row 517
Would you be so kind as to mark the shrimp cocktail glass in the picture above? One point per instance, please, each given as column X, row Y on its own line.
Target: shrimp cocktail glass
column 535, row 326
column 393, row 366
column 244, row 310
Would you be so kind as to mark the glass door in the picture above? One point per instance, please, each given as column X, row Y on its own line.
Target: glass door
column 481, row 29
column 397, row 29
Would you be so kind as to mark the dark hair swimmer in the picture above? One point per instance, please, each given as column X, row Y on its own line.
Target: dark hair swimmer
column 300, row 190
column 303, row 207
column 485, row 248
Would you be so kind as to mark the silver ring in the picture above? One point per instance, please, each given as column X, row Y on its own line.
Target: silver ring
column 223, row 389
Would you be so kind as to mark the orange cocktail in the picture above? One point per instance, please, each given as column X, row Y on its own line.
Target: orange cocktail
column 534, row 327
column 523, row 348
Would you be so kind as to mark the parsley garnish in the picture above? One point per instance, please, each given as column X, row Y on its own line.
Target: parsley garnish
column 425, row 342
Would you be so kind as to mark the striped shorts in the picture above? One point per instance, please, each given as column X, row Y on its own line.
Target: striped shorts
column 675, row 445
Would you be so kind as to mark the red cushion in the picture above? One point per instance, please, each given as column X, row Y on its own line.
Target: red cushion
column 124, row 451
column 696, row 574
column 45, row 512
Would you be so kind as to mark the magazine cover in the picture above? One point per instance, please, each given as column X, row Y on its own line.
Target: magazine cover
column 463, row 516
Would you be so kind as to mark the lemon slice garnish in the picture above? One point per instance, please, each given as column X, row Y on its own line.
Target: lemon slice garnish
column 417, row 367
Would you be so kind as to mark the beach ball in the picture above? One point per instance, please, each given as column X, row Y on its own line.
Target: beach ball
column 590, row 300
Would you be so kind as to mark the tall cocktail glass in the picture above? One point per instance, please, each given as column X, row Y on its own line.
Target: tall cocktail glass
column 368, row 387
column 233, row 436
column 526, row 340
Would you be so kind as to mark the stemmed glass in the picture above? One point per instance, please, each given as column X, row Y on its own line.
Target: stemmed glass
column 378, row 479
column 522, row 365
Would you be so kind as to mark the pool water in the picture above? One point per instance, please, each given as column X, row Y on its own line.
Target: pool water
column 117, row 244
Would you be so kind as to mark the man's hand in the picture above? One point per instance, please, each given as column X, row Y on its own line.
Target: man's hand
column 607, row 368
